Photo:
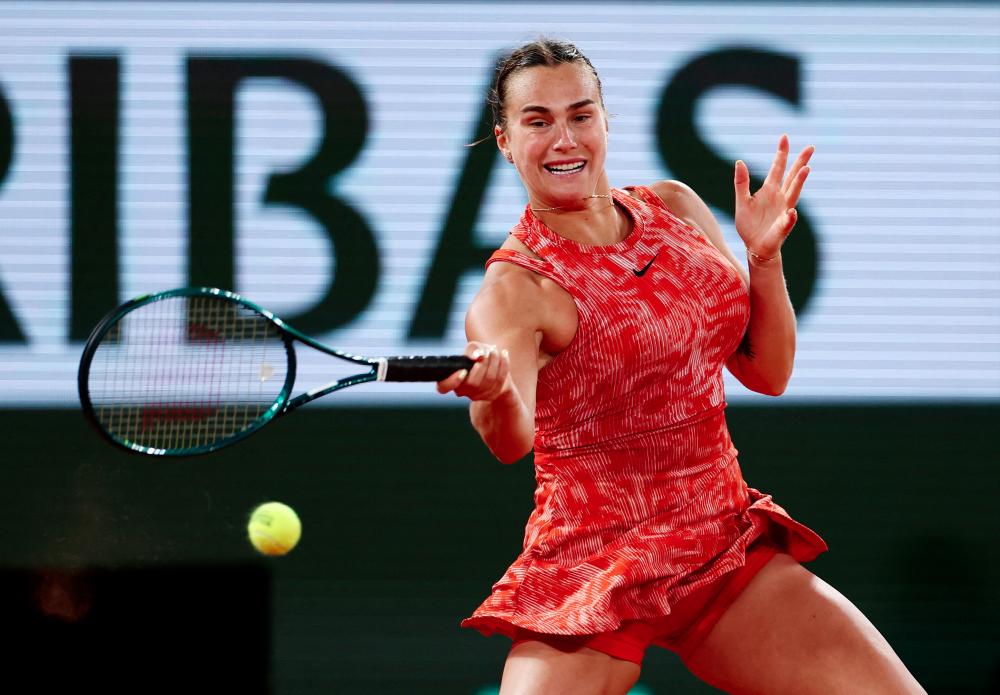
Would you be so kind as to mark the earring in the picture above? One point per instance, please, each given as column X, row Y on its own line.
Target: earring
column 509, row 156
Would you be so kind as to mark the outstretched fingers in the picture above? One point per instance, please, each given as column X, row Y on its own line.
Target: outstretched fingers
column 797, row 176
column 741, row 182
column 795, row 185
column 777, row 172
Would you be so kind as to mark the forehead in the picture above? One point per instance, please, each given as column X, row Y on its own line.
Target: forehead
column 554, row 87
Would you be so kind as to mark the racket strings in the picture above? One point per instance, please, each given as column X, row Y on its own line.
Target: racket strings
column 186, row 372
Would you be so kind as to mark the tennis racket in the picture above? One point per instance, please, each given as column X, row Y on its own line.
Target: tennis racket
column 191, row 370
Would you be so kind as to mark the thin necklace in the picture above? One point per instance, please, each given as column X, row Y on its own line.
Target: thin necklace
column 560, row 207
column 596, row 195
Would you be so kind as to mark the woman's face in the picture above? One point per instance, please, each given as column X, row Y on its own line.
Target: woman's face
column 557, row 133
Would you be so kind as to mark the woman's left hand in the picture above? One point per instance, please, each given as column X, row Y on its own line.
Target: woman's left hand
column 766, row 218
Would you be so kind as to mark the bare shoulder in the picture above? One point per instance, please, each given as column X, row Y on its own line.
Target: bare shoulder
column 510, row 286
column 512, row 243
column 680, row 199
column 513, row 299
column 510, row 282
column 507, row 301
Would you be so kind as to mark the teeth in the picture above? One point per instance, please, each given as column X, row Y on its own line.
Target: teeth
column 576, row 166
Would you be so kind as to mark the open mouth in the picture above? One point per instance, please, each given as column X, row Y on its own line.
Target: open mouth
column 565, row 169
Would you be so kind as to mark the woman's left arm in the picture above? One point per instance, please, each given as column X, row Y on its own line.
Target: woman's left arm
column 763, row 362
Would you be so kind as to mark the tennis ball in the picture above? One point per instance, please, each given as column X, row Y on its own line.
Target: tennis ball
column 274, row 528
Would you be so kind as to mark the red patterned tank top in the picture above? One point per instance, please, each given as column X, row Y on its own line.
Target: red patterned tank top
column 639, row 499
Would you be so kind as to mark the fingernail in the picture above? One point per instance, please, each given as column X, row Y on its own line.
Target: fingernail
column 505, row 354
column 477, row 354
column 464, row 373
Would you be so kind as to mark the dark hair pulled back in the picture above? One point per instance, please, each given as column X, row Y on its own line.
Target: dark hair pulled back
column 544, row 51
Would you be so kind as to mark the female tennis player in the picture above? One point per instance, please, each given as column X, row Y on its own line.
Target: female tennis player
column 599, row 335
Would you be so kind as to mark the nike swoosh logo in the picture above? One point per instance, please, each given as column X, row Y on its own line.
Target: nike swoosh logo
column 640, row 273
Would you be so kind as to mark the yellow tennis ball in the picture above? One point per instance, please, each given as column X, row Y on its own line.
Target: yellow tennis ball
column 274, row 528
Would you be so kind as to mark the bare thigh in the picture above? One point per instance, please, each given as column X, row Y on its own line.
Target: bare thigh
column 791, row 632
column 535, row 668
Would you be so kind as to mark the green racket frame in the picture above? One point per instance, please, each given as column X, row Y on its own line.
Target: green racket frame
column 408, row 369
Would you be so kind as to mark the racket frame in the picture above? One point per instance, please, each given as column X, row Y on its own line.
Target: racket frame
column 281, row 406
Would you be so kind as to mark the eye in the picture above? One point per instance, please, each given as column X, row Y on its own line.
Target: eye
column 581, row 117
column 536, row 124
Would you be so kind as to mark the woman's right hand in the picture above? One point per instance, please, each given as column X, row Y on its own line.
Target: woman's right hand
column 489, row 378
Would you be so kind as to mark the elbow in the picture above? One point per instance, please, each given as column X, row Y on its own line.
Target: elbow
column 774, row 387
column 759, row 383
column 509, row 439
column 507, row 447
column 772, row 390
column 512, row 454
column 507, row 459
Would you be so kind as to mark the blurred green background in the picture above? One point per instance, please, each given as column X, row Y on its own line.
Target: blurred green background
column 408, row 521
column 118, row 175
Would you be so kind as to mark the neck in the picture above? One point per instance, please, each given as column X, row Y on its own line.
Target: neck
column 597, row 222
column 569, row 207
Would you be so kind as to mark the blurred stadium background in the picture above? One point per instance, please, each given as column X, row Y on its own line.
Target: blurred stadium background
column 314, row 157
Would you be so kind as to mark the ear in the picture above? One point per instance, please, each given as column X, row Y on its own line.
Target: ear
column 501, row 136
column 502, row 142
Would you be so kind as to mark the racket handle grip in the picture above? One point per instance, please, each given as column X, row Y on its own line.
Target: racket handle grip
column 419, row 368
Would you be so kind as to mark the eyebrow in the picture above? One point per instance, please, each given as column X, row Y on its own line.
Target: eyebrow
column 542, row 109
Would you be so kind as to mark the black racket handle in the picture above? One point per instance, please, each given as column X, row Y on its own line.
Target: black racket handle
column 420, row 368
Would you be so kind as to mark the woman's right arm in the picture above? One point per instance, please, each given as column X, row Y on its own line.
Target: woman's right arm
column 504, row 337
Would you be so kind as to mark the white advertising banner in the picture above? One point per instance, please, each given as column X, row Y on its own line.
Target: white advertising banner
column 316, row 157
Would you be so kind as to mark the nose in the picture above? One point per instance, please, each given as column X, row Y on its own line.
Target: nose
column 565, row 140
